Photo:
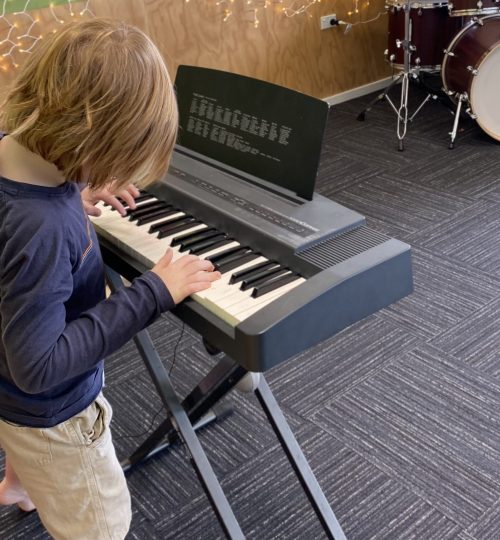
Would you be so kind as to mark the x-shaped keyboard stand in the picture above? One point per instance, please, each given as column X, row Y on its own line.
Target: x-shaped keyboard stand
column 186, row 416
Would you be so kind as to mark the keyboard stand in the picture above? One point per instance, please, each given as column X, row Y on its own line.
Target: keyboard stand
column 184, row 418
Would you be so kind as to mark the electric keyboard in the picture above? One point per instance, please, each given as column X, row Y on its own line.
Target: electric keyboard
column 294, row 272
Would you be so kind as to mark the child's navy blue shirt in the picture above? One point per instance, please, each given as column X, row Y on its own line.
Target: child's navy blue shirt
column 56, row 325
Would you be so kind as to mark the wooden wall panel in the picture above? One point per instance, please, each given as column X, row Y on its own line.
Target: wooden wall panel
column 289, row 51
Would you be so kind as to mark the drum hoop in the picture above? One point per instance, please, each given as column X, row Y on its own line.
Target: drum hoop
column 453, row 42
column 483, row 58
column 416, row 5
column 462, row 12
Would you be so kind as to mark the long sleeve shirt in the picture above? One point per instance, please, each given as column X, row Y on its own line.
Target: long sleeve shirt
column 56, row 325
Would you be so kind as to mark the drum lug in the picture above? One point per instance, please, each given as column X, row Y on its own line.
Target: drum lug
column 450, row 6
column 473, row 70
column 449, row 53
column 480, row 4
column 389, row 57
column 478, row 21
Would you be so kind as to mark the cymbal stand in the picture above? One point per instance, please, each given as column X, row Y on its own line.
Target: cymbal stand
column 404, row 78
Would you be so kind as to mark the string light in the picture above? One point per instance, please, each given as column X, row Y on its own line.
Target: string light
column 254, row 7
column 22, row 35
column 289, row 8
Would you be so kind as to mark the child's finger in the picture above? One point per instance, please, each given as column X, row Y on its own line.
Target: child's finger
column 133, row 190
column 167, row 258
column 128, row 198
column 114, row 202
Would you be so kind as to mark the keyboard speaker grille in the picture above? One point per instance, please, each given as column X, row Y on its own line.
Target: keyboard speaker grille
column 342, row 247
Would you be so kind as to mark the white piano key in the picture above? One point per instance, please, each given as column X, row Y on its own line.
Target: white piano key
column 239, row 296
column 252, row 305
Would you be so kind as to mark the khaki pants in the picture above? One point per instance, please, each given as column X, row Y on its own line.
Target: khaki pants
column 72, row 474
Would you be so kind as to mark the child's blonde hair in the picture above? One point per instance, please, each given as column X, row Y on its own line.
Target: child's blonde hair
column 96, row 100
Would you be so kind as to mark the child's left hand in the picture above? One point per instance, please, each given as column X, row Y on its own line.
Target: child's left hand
column 91, row 197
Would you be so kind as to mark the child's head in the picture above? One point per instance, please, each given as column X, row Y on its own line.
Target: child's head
column 96, row 100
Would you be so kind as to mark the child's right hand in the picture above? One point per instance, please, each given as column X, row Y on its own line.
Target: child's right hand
column 186, row 275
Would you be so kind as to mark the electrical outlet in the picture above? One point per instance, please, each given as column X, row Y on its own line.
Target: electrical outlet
column 328, row 21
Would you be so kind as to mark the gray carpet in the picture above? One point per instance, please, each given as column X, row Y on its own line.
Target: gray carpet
column 398, row 414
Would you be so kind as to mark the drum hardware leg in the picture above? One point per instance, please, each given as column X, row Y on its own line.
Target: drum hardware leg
column 471, row 114
column 403, row 112
column 429, row 96
column 453, row 134
column 384, row 95
column 406, row 74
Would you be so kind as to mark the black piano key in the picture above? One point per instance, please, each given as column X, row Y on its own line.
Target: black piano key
column 227, row 266
column 207, row 243
column 273, row 284
column 238, row 250
column 262, row 277
column 158, row 214
column 195, row 236
column 148, row 207
column 158, row 226
column 201, row 243
column 242, row 274
column 198, row 250
column 181, row 226
column 145, row 209
column 141, row 198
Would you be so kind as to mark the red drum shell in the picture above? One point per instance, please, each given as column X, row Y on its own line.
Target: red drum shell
column 465, row 70
column 430, row 31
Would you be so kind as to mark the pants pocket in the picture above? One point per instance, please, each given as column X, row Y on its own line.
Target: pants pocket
column 92, row 424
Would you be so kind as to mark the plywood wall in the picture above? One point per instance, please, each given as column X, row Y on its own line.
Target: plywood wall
column 291, row 51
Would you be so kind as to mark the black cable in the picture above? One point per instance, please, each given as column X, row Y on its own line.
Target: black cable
column 151, row 423
column 175, row 348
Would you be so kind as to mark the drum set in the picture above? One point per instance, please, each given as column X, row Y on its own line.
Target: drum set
column 462, row 41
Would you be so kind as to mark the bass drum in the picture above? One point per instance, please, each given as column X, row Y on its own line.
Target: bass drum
column 471, row 67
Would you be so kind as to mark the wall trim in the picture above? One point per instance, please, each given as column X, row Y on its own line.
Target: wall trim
column 358, row 91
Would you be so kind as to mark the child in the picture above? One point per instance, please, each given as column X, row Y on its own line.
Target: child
column 93, row 105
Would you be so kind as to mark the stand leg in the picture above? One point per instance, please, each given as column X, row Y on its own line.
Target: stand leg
column 403, row 112
column 454, row 131
column 198, row 403
column 298, row 461
column 420, row 107
column 380, row 97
